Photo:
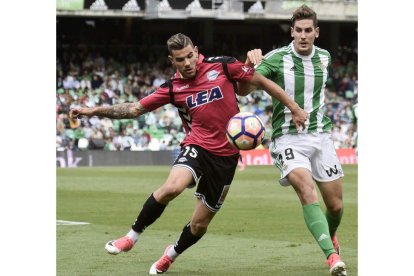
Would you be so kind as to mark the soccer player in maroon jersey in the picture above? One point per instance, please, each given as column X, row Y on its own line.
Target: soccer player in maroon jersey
column 204, row 92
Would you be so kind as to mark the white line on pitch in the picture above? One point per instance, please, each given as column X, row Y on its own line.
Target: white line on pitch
column 68, row 222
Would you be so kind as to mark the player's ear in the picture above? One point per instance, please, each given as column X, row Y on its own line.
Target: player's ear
column 291, row 31
column 171, row 59
column 196, row 50
column 316, row 32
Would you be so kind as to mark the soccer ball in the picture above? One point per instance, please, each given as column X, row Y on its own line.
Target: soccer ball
column 245, row 131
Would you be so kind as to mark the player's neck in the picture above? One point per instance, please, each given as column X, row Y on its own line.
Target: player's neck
column 182, row 77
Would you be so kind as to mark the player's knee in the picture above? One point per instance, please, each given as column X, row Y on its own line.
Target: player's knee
column 335, row 209
column 307, row 193
column 169, row 191
column 198, row 228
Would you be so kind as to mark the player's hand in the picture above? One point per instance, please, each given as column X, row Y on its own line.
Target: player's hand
column 75, row 113
column 254, row 57
column 300, row 117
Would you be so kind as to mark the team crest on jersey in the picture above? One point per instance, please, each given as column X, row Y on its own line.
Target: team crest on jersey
column 323, row 66
column 212, row 75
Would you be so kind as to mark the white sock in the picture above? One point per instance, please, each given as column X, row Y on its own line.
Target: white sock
column 133, row 235
column 172, row 254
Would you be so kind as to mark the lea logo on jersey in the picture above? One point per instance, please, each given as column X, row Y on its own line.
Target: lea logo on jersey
column 204, row 97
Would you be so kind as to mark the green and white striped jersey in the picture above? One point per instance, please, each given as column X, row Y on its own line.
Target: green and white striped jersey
column 303, row 78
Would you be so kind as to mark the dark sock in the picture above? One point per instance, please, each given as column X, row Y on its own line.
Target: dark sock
column 333, row 221
column 150, row 212
column 185, row 240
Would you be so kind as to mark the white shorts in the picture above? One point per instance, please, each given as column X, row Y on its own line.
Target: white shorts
column 312, row 151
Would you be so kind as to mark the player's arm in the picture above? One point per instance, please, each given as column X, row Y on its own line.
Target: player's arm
column 299, row 115
column 244, row 88
column 117, row 111
column 254, row 57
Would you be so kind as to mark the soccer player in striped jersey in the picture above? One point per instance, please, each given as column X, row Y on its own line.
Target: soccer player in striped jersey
column 307, row 157
column 204, row 92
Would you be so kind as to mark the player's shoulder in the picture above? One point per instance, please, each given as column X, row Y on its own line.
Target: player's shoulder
column 322, row 52
column 166, row 84
column 219, row 59
column 278, row 53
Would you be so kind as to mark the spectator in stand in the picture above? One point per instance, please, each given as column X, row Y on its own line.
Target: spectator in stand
column 104, row 99
column 70, row 82
column 95, row 121
column 78, row 133
column 107, row 124
column 71, row 145
column 85, row 83
column 97, row 133
column 145, row 139
column 59, row 141
column 109, row 145
column 129, row 129
column 126, row 140
column 85, row 100
column 159, row 79
column 136, row 136
column 117, row 141
column 151, row 119
column 136, row 90
column 94, row 96
column 111, row 133
column 87, row 130
column 147, row 89
column 96, row 81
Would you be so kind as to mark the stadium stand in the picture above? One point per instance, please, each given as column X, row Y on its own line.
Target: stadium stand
column 111, row 52
column 89, row 79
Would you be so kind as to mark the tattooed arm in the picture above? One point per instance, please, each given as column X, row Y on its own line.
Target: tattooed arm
column 117, row 111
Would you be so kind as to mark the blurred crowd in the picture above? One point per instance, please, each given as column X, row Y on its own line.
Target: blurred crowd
column 87, row 78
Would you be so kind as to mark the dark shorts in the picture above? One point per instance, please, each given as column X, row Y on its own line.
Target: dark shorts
column 212, row 174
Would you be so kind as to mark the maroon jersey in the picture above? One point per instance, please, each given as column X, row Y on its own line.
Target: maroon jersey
column 205, row 103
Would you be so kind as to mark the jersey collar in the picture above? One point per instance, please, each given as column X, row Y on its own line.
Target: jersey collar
column 292, row 45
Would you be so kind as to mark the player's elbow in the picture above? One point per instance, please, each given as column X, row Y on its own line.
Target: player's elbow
column 244, row 89
column 243, row 92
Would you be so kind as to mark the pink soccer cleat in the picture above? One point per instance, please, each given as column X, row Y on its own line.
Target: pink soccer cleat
column 337, row 267
column 123, row 244
column 163, row 264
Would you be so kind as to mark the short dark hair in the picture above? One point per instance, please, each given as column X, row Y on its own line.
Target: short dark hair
column 178, row 42
column 304, row 12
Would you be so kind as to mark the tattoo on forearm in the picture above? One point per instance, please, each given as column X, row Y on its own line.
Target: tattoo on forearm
column 122, row 111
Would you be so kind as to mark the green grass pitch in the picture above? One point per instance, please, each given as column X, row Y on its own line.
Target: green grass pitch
column 259, row 230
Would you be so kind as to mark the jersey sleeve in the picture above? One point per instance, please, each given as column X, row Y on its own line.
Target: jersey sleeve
column 267, row 67
column 240, row 71
column 157, row 99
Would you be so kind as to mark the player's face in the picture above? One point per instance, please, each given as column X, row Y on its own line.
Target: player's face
column 304, row 34
column 185, row 60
